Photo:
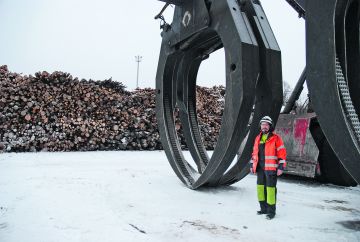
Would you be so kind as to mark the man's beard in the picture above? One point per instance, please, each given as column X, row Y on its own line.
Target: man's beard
column 265, row 131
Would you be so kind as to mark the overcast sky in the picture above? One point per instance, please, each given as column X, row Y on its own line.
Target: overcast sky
column 100, row 39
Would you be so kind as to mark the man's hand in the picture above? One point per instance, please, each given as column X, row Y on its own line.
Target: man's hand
column 252, row 170
column 251, row 166
column 280, row 169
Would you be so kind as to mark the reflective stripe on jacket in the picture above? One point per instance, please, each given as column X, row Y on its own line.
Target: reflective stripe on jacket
column 275, row 152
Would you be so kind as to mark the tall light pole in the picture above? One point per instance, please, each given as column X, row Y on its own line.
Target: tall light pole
column 138, row 59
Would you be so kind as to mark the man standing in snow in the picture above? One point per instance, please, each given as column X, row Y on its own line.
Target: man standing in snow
column 268, row 162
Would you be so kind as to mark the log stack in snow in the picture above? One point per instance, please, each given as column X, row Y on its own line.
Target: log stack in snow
column 56, row 112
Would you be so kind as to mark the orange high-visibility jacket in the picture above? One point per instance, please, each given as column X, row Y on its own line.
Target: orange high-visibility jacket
column 275, row 152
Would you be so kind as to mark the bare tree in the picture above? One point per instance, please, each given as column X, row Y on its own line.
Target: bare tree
column 302, row 102
column 287, row 92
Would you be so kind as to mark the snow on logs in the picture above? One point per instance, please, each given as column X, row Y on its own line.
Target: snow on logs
column 56, row 112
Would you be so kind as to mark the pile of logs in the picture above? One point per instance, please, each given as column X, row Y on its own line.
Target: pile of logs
column 56, row 112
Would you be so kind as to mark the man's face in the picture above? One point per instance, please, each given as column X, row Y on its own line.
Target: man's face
column 265, row 127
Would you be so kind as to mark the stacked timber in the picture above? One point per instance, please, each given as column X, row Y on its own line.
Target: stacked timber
column 56, row 112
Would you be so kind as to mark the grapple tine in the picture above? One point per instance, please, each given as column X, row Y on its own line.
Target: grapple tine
column 183, row 48
column 269, row 92
column 327, row 79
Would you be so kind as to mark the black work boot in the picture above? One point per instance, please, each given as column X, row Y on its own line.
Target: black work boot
column 260, row 212
column 271, row 211
column 263, row 208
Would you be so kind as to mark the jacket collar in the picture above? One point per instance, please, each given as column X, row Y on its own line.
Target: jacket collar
column 270, row 135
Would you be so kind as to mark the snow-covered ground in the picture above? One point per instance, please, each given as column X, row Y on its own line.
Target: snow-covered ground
column 135, row 196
